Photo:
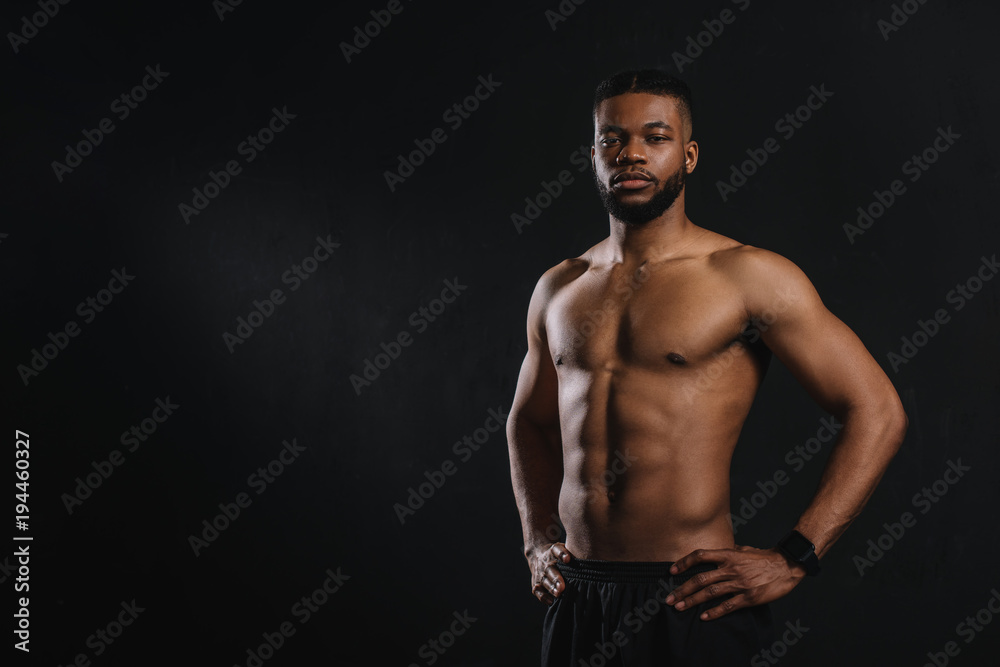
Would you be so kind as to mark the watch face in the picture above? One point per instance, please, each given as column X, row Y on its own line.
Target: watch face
column 798, row 546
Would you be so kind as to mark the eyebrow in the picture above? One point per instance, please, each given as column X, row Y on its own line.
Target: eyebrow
column 651, row 124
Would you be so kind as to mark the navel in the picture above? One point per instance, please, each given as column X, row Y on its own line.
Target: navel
column 559, row 360
column 675, row 358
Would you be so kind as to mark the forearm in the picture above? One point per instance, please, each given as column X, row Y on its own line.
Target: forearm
column 536, row 470
column 867, row 443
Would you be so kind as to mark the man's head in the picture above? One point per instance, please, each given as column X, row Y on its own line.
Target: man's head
column 654, row 82
column 642, row 149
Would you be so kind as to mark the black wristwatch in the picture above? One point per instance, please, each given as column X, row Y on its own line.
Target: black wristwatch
column 800, row 550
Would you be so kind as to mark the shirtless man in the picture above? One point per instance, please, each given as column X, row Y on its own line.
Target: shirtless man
column 644, row 355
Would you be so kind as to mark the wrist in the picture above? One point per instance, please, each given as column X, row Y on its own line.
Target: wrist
column 797, row 569
column 800, row 552
column 535, row 548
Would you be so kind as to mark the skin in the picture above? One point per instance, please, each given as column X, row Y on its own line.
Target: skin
column 644, row 356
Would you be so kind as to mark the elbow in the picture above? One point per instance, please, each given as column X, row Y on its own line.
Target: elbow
column 511, row 426
column 883, row 419
column 516, row 427
column 525, row 432
column 896, row 424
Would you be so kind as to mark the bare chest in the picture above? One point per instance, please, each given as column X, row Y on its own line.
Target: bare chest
column 655, row 319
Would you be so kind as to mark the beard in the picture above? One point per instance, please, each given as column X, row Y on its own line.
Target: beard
column 640, row 214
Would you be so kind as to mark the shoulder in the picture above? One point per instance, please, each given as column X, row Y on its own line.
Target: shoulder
column 747, row 261
column 764, row 278
column 562, row 274
column 565, row 272
column 549, row 284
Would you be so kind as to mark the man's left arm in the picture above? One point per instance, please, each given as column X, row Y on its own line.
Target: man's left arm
column 834, row 366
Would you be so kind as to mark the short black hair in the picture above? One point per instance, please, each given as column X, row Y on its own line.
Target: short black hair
column 652, row 81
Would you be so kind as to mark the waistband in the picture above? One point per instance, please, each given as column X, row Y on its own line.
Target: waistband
column 627, row 572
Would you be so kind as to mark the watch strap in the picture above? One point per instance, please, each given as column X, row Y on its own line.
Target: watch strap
column 800, row 550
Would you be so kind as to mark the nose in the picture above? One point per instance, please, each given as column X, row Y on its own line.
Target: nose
column 630, row 154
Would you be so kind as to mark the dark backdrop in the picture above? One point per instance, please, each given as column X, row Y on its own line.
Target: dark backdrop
column 329, row 508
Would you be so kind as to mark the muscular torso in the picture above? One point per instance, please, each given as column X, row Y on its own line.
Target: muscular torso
column 656, row 375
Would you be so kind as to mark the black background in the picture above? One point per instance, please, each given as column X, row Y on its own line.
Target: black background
column 323, row 176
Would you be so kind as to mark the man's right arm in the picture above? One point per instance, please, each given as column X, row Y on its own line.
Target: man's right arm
column 534, row 443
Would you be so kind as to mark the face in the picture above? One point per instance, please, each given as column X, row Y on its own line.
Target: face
column 640, row 156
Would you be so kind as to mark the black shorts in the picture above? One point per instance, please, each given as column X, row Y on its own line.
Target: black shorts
column 614, row 613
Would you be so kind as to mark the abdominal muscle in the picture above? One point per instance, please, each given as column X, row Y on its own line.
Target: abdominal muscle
column 646, row 464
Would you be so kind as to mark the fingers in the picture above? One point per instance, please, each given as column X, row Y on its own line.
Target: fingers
column 550, row 587
column 725, row 607
column 540, row 593
column 700, row 556
column 710, row 591
column 553, row 581
column 560, row 552
column 704, row 586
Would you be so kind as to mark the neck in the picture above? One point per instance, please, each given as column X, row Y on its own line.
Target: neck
column 659, row 239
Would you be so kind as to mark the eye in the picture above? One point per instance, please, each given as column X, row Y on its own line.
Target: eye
column 609, row 140
column 659, row 138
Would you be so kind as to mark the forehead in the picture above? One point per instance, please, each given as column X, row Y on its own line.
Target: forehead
column 637, row 109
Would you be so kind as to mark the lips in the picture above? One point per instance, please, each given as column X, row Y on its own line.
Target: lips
column 631, row 176
column 631, row 180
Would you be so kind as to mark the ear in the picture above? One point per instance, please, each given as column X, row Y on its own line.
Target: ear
column 691, row 155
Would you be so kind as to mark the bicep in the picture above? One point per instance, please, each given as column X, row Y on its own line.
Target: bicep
column 829, row 360
column 819, row 349
column 537, row 396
